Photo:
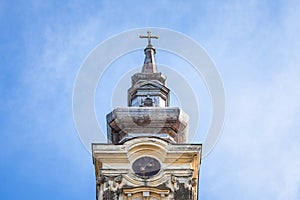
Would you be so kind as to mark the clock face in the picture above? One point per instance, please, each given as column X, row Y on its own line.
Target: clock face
column 146, row 166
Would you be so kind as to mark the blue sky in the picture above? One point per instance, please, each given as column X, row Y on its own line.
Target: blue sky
column 254, row 44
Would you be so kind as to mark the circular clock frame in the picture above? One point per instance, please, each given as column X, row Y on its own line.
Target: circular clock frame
column 146, row 166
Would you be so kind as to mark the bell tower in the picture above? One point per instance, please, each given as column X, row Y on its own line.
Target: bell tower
column 147, row 156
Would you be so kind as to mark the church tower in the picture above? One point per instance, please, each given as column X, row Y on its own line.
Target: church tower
column 147, row 156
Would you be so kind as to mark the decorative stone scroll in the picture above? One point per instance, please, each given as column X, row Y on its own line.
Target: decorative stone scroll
column 108, row 187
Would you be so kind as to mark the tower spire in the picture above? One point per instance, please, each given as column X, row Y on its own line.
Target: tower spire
column 147, row 156
column 149, row 66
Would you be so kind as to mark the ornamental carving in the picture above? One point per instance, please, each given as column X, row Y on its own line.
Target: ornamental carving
column 108, row 187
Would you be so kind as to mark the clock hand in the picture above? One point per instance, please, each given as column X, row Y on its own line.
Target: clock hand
column 150, row 164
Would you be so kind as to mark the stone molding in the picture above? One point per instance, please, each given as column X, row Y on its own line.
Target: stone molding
column 125, row 123
column 178, row 175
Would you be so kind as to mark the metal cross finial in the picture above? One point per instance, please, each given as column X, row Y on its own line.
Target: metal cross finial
column 149, row 36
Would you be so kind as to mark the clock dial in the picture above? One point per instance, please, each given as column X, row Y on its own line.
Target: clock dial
column 146, row 166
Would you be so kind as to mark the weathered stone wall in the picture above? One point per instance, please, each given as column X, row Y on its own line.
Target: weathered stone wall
column 176, row 179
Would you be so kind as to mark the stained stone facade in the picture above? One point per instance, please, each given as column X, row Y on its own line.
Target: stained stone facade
column 147, row 155
column 169, row 123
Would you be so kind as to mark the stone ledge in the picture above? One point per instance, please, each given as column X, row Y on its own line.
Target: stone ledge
column 126, row 122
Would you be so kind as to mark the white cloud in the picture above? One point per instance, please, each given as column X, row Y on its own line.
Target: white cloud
column 258, row 154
